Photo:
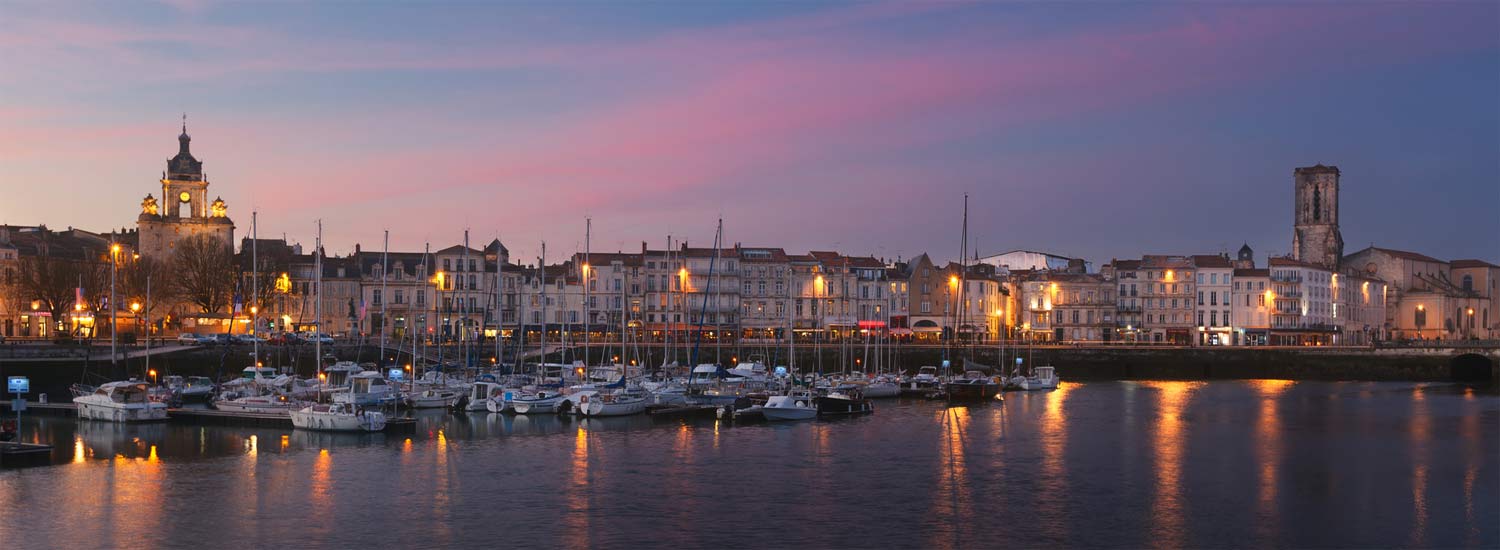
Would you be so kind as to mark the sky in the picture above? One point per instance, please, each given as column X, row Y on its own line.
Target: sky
column 1096, row 130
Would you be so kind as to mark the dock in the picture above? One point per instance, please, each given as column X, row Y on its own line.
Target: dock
column 13, row 455
column 225, row 418
column 46, row 409
column 681, row 411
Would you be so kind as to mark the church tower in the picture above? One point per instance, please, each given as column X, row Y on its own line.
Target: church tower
column 1315, row 237
column 184, row 209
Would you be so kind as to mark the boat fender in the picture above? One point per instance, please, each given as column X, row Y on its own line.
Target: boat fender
column 583, row 399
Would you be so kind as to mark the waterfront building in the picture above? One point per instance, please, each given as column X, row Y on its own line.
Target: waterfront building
column 1129, row 300
column 1167, row 293
column 764, row 282
column 1359, row 308
column 1302, row 312
column 183, row 209
column 928, row 295
column 1252, row 302
column 1068, row 307
column 1428, row 298
column 1214, row 326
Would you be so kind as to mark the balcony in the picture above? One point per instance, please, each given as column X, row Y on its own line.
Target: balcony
column 1286, row 277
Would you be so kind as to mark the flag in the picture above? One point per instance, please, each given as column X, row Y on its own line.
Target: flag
column 78, row 296
column 362, row 309
column 239, row 303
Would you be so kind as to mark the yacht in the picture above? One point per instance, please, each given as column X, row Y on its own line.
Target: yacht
column 620, row 402
column 754, row 371
column 366, row 388
column 843, row 400
column 972, row 386
column 541, row 402
column 192, row 388
column 1042, row 378
column 434, row 398
column 121, row 402
column 336, row 376
column 338, row 417
column 277, row 404
column 481, row 392
column 797, row 405
column 882, row 386
column 927, row 377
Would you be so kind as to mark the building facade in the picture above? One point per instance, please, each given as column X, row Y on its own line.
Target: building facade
column 1315, row 235
column 184, row 209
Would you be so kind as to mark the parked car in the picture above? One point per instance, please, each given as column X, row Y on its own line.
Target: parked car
column 248, row 339
column 189, row 338
column 311, row 337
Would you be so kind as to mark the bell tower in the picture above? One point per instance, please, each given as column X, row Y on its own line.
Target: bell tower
column 184, row 208
column 1315, row 235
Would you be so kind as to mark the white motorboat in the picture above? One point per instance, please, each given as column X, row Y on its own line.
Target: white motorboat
column 336, row 376
column 793, row 406
column 1042, row 378
column 542, row 402
column 670, row 394
column 192, row 388
column 253, row 372
column 754, row 371
column 704, row 375
column 882, row 387
column 621, row 402
column 366, row 388
column 480, row 395
column 338, row 417
column 927, row 377
column 121, row 402
column 435, row 398
column 296, row 387
column 277, row 404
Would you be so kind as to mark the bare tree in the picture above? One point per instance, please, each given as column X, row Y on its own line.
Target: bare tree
column 133, row 280
column 50, row 281
column 204, row 270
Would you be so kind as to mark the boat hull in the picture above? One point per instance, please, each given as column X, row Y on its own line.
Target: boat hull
column 785, row 414
column 972, row 392
column 327, row 422
column 837, row 406
column 598, row 407
column 143, row 412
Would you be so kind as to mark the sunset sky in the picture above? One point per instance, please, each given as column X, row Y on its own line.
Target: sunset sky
column 1090, row 129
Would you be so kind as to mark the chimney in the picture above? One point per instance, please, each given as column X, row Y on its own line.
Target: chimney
column 356, row 249
column 643, row 247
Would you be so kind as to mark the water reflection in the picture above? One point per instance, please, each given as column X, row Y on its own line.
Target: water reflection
column 1054, row 439
column 1167, row 508
column 1268, row 452
column 576, row 520
column 951, row 500
column 1421, row 433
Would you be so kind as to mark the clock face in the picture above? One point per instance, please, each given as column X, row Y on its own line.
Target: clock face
column 184, row 197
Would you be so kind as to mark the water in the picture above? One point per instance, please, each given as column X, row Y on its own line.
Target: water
column 1255, row 463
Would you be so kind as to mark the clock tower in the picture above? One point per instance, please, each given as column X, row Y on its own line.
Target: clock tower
column 184, row 209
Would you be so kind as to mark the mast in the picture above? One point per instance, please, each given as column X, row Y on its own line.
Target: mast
column 500, row 301
column 541, row 269
column 385, row 264
column 588, row 320
column 437, row 299
column 464, row 319
column 963, row 273
column 318, row 302
column 254, row 287
column 666, row 335
column 149, row 324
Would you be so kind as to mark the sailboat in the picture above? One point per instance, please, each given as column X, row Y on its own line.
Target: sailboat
column 797, row 403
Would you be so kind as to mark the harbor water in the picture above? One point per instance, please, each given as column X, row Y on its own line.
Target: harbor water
column 1127, row 464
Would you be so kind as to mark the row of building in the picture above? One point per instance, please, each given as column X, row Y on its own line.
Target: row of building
column 1315, row 296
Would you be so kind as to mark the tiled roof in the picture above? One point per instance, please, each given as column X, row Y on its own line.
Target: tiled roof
column 1288, row 262
column 1413, row 256
column 1252, row 272
column 1211, row 260
column 1471, row 263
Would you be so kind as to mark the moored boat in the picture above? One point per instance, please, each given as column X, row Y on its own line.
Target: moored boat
column 793, row 406
column 338, row 417
column 843, row 400
column 972, row 386
column 121, row 402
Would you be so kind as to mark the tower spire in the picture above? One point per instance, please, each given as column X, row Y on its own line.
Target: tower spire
column 184, row 123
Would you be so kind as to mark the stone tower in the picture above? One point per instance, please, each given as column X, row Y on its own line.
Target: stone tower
column 184, row 209
column 1315, row 238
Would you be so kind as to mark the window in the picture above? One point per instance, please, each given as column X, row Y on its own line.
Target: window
column 1421, row 317
column 421, row 297
column 1468, row 283
column 1200, row 297
column 376, row 301
column 446, row 265
column 398, row 297
column 926, row 307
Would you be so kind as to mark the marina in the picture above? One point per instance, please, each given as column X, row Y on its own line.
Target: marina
column 1262, row 462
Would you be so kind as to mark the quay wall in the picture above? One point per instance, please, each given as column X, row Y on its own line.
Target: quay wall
column 53, row 376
